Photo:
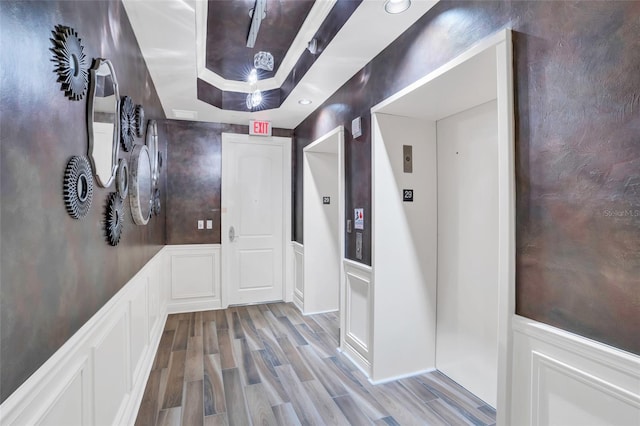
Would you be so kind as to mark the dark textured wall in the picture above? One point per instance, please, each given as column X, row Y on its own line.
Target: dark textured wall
column 194, row 166
column 578, row 149
column 56, row 272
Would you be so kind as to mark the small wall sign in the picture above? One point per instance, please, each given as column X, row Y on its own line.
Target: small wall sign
column 407, row 195
column 359, row 218
column 326, row 200
column 259, row 128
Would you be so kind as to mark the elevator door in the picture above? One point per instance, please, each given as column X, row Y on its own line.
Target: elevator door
column 467, row 309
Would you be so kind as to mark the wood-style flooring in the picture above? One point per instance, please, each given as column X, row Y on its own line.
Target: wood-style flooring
column 269, row 365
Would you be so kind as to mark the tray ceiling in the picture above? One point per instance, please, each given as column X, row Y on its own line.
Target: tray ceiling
column 196, row 52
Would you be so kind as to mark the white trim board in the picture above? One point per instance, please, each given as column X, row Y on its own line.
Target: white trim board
column 563, row 378
column 63, row 389
column 323, row 175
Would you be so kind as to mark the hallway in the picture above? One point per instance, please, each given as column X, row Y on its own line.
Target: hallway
column 268, row 364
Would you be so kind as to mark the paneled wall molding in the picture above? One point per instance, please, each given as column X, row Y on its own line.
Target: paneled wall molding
column 563, row 378
column 98, row 376
column 357, row 310
column 194, row 277
column 298, row 275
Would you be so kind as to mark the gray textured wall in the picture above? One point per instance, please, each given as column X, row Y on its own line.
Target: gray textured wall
column 56, row 272
column 578, row 149
column 194, row 167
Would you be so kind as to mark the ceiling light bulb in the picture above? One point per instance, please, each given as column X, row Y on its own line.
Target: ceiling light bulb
column 253, row 76
column 396, row 6
column 304, row 101
column 254, row 99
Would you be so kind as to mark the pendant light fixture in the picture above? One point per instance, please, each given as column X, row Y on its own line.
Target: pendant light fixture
column 396, row 6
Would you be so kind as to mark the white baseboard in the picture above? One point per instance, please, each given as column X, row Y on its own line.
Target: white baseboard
column 306, row 314
column 193, row 306
column 403, row 376
column 82, row 380
column 358, row 360
column 562, row 378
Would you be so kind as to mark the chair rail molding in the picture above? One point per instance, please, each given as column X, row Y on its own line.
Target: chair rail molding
column 563, row 378
column 100, row 373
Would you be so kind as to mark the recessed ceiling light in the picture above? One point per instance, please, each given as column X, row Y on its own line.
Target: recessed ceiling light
column 253, row 76
column 304, row 101
column 396, row 6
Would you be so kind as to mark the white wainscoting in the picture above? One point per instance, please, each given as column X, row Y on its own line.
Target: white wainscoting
column 98, row 376
column 560, row 378
column 194, row 277
column 357, row 314
column 298, row 275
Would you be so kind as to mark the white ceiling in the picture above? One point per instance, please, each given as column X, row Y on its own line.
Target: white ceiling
column 171, row 35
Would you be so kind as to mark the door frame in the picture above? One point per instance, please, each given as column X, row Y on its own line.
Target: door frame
column 501, row 45
column 311, row 148
column 285, row 142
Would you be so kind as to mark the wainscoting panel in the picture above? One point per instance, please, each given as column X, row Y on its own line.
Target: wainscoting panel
column 560, row 378
column 194, row 272
column 98, row 376
column 139, row 328
column 298, row 275
column 357, row 309
column 71, row 403
column 111, row 376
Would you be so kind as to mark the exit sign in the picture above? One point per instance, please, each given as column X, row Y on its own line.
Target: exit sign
column 259, row 128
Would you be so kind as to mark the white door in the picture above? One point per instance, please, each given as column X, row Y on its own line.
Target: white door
column 255, row 217
column 467, row 312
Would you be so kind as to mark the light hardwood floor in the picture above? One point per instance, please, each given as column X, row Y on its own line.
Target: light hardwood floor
column 269, row 365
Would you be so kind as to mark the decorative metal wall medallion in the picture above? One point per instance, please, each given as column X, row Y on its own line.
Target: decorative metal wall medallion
column 122, row 178
column 152, row 146
column 71, row 62
column 141, row 185
column 139, row 113
column 115, row 216
column 127, row 123
column 78, row 187
column 156, row 202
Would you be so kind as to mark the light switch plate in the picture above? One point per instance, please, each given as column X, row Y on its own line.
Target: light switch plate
column 356, row 127
column 209, row 224
column 407, row 157
column 200, row 224
column 359, row 245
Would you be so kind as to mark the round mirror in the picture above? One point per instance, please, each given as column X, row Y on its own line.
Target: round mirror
column 140, row 185
column 103, row 121
column 152, row 145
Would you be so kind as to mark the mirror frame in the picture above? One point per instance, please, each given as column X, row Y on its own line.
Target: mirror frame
column 151, row 140
column 134, row 187
column 97, row 63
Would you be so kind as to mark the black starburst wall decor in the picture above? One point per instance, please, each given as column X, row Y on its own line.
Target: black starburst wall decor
column 115, row 216
column 127, row 123
column 71, row 62
column 78, row 187
column 139, row 112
